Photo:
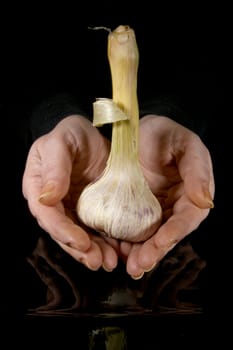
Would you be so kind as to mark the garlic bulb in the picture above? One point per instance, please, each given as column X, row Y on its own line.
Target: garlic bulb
column 120, row 204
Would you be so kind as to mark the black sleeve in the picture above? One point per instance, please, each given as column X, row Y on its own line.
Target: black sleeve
column 168, row 106
column 52, row 110
column 49, row 112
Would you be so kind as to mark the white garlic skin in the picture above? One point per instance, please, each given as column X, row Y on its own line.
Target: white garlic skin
column 120, row 205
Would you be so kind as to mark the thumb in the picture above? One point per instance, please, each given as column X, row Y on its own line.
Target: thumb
column 56, row 167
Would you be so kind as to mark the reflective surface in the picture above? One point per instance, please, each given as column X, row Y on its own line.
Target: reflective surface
column 67, row 286
column 50, row 294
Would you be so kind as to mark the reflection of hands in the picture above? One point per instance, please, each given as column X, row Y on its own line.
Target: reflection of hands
column 176, row 278
column 178, row 168
column 59, row 165
column 173, row 284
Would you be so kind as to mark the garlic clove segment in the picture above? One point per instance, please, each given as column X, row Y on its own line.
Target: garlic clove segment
column 120, row 204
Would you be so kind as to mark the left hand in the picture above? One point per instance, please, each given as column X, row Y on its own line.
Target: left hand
column 178, row 168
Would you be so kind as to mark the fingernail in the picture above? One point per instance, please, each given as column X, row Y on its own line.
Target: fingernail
column 107, row 269
column 45, row 196
column 47, row 192
column 208, row 198
column 211, row 204
column 137, row 277
column 172, row 243
column 93, row 268
column 150, row 268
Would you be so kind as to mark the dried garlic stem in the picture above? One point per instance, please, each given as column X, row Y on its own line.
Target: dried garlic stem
column 120, row 203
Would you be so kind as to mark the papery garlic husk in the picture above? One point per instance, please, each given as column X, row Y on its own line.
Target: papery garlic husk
column 120, row 204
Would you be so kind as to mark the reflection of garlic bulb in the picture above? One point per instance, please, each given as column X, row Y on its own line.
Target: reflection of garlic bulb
column 120, row 203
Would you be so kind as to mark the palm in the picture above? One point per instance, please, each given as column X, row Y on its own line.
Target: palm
column 159, row 163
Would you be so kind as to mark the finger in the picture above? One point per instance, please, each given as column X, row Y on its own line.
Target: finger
column 132, row 266
column 48, row 168
column 92, row 258
column 114, row 243
column 61, row 228
column 109, row 255
column 195, row 167
column 185, row 219
column 125, row 248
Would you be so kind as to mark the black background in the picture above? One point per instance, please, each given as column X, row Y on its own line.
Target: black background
column 45, row 51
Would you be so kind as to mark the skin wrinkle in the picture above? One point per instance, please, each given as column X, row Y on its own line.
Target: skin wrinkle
column 35, row 173
column 93, row 164
column 166, row 163
column 173, row 195
column 167, row 214
column 174, row 147
column 70, row 140
column 50, row 166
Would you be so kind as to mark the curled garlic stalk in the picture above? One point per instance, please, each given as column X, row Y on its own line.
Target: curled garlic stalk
column 120, row 204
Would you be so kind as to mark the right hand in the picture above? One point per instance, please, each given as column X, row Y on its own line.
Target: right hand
column 58, row 167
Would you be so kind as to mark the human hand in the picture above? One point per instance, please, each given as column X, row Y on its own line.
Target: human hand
column 178, row 168
column 59, row 165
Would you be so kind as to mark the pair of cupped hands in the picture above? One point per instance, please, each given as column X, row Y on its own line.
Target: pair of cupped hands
column 174, row 160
